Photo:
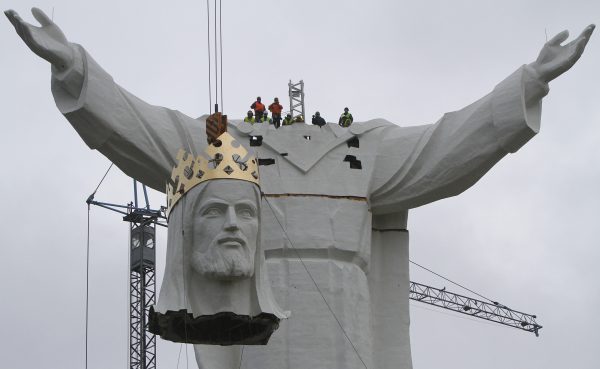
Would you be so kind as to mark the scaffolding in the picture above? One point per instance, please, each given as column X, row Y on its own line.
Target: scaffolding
column 296, row 95
column 142, row 287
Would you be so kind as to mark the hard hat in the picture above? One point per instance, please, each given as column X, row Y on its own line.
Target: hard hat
column 317, row 113
column 346, row 109
column 250, row 112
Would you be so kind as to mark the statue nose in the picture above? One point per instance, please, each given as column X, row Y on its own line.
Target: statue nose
column 231, row 219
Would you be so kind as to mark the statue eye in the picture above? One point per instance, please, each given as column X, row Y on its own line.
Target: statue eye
column 246, row 212
column 212, row 212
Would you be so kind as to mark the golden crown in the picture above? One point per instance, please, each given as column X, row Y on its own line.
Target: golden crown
column 226, row 159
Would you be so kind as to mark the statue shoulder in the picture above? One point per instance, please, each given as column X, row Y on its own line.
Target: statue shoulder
column 238, row 127
column 370, row 125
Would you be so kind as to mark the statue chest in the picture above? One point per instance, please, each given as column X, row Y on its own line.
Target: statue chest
column 304, row 159
column 316, row 227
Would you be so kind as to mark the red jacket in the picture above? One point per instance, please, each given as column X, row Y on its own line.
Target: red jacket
column 275, row 108
column 257, row 106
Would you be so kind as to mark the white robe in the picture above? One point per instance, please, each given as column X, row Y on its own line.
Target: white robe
column 344, row 225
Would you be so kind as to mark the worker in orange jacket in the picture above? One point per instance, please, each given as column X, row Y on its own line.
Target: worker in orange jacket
column 259, row 109
column 275, row 108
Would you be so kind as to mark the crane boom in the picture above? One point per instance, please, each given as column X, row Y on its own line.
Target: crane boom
column 494, row 311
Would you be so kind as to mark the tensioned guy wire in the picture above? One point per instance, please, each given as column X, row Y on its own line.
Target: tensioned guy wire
column 179, row 356
column 457, row 284
column 183, row 270
column 221, row 50
column 218, row 54
column 208, row 53
column 87, row 283
column 87, row 268
column 216, row 65
column 241, row 356
column 102, row 180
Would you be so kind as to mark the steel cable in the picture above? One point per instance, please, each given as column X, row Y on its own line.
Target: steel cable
column 451, row 281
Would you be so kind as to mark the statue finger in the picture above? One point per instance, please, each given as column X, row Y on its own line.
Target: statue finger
column 17, row 18
column 587, row 32
column 556, row 40
column 41, row 17
column 585, row 35
column 14, row 18
column 10, row 14
column 579, row 47
column 20, row 25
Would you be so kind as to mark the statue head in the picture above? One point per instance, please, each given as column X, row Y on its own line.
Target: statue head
column 214, row 263
column 224, row 229
column 216, row 199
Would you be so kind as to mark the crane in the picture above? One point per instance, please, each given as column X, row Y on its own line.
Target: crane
column 494, row 311
column 142, row 273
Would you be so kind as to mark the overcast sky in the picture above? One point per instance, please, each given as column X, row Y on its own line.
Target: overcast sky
column 525, row 235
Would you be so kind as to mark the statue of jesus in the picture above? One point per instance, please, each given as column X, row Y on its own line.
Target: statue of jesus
column 334, row 208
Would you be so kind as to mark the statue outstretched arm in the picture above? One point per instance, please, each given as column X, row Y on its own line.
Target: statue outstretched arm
column 419, row 165
column 141, row 139
column 47, row 41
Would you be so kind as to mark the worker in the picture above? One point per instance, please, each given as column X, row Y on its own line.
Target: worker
column 259, row 109
column 275, row 108
column 299, row 119
column 346, row 119
column 265, row 118
column 250, row 117
column 318, row 120
column 287, row 121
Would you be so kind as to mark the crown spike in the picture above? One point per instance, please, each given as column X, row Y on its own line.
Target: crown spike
column 224, row 158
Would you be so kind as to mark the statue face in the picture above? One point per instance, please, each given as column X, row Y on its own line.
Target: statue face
column 225, row 230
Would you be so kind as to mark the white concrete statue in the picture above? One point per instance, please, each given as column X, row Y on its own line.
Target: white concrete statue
column 215, row 289
column 336, row 204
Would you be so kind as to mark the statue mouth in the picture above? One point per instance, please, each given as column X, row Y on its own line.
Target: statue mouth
column 231, row 241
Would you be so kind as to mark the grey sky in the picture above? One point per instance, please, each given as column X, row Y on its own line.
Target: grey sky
column 525, row 235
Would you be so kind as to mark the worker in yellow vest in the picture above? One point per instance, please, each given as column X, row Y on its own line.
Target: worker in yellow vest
column 287, row 121
column 250, row 117
column 346, row 119
column 265, row 118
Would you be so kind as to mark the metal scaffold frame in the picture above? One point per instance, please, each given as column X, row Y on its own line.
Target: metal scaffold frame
column 142, row 286
column 296, row 95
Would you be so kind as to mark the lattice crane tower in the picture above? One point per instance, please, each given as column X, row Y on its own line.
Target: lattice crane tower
column 296, row 94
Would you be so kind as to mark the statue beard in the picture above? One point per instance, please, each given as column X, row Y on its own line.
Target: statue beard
column 222, row 263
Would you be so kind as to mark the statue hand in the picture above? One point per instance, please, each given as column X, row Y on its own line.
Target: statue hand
column 555, row 59
column 47, row 41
